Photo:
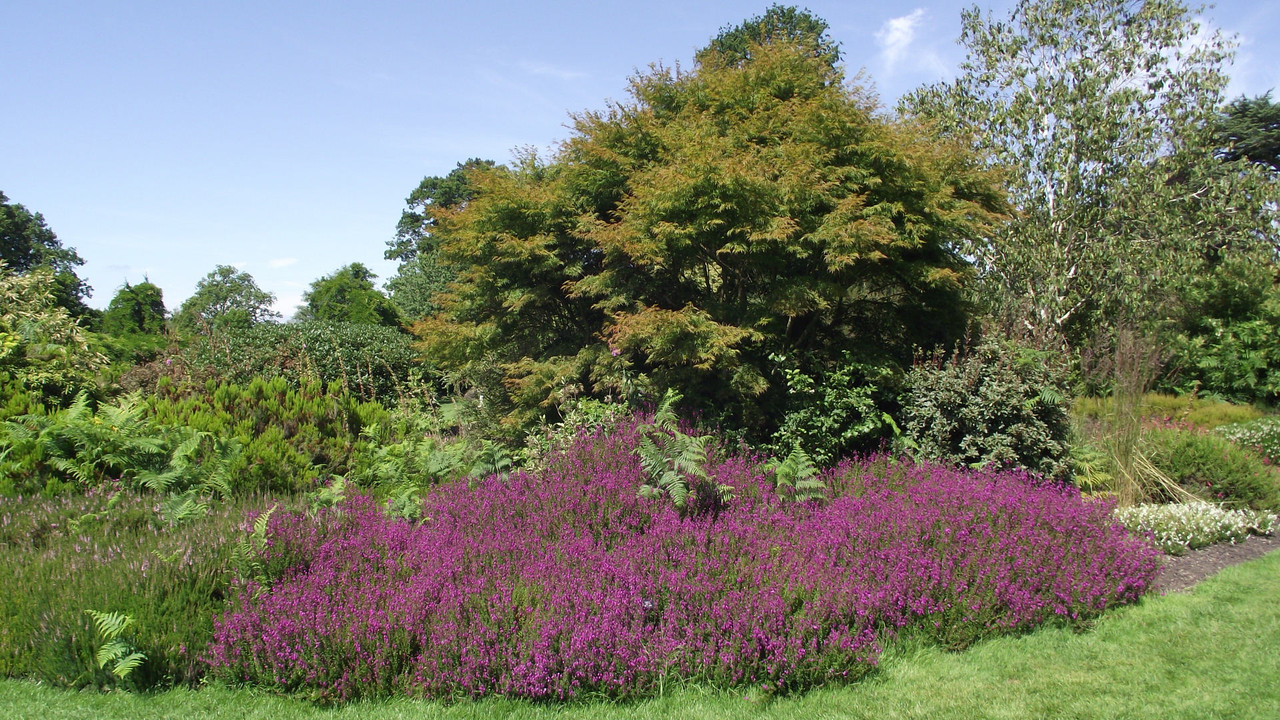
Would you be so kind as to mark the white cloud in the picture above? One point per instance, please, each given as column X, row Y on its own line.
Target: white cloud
column 895, row 37
column 287, row 305
column 282, row 262
column 548, row 70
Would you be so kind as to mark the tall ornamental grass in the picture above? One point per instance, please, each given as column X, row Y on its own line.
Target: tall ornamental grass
column 565, row 583
column 111, row 552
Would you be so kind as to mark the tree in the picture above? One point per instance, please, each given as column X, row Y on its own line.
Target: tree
column 778, row 25
column 133, row 326
column 1101, row 111
column 1249, row 129
column 348, row 295
column 419, row 277
column 42, row 349
column 27, row 243
column 225, row 298
column 136, row 310
column 720, row 219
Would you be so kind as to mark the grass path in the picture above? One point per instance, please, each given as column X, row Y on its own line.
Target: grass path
column 1210, row 653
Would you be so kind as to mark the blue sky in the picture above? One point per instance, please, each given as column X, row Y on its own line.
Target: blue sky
column 160, row 139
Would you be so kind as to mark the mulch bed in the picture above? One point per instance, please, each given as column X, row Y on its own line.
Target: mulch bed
column 1178, row 574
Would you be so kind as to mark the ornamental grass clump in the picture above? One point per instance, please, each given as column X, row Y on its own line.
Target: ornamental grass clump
column 568, row 582
column 113, row 553
column 1175, row 529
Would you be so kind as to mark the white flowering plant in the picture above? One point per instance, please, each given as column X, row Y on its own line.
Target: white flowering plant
column 1262, row 435
column 1175, row 529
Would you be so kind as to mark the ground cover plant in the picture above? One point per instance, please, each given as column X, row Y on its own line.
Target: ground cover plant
column 1209, row 652
column 1213, row 468
column 1178, row 528
column 1262, row 435
column 568, row 583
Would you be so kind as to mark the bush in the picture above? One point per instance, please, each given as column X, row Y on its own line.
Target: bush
column 289, row 436
column 81, row 447
column 1214, row 468
column 1201, row 412
column 1175, row 529
column 1237, row 358
column 1262, row 435
column 43, row 351
column 566, row 583
column 370, row 362
column 995, row 404
column 110, row 551
column 837, row 412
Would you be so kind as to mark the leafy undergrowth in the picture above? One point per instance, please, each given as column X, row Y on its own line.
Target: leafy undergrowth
column 566, row 583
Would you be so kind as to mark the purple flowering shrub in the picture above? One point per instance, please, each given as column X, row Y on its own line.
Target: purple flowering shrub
column 565, row 582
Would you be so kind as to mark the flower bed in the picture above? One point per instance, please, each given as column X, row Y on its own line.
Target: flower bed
column 1176, row 529
column 565, row 583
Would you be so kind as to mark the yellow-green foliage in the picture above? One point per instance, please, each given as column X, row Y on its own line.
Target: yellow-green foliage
column 680, row 238
column 42, row 349
column 289, row 436
column 1214, row 468
column 1206, row 413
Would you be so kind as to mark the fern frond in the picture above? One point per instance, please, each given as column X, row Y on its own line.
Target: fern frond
column 665, row 418
column 128, row 664
column 181, row 508
column 110, row 624
column 113, row 650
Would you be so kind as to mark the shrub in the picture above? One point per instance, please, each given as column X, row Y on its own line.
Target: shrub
column 566, row 582
column 1262, row 435
column 80, row 447
column 837, row 412
column 288, row 435
column 995, row 404
column 1234, row 359
column 370, row 362
column 1201, row 412
column 1175, row 529
column 110, row 551
column 1214, row 468
column 42, row 350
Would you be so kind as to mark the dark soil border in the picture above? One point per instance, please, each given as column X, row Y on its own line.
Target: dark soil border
column 1178, row 574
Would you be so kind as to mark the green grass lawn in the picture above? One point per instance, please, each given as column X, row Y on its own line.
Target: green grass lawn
column 1211, row 653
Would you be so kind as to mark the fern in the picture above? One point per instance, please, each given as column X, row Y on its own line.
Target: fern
column 796, row 478
column 328, row 496
column 491, row 459
column 675, row 463
column 115, row 650
column 247, row 556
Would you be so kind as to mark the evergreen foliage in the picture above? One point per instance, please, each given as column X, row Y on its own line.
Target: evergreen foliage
column 1249, row 130
column 289, row 437
column 1213, row 468
column 994, row 404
